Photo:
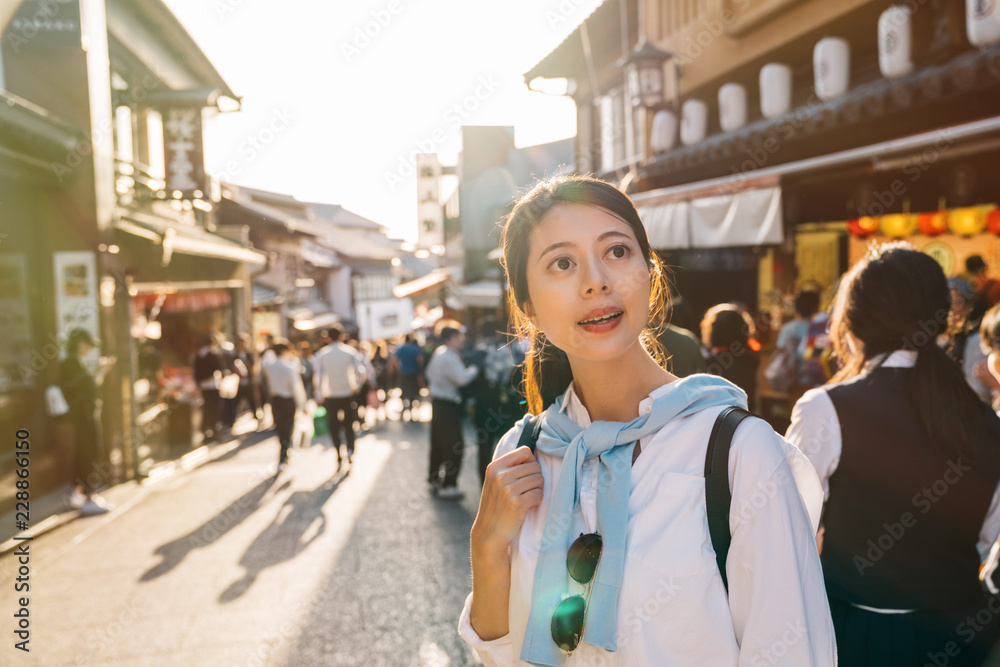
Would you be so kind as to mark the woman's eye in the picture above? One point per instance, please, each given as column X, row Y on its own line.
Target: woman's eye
column 562, row 264
column 619, row 251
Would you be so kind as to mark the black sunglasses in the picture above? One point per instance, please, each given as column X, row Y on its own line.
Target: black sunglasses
column 569, row 618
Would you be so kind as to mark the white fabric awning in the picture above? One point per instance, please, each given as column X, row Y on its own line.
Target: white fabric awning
column 745, row 218
column 482, row 294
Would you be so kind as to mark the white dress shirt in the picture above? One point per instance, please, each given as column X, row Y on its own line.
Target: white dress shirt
column 335, row 371
column 446, row 374
column 815, row 430
column 673, row 608
column 284, row 378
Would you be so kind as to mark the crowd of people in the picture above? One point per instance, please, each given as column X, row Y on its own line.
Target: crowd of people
column 870, row 531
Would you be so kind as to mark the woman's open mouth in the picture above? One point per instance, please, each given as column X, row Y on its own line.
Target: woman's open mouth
column 604, row 322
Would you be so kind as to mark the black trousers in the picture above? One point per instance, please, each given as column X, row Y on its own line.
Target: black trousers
column 447, row 443
column 210, row 413
column 283, row 411
column 340, row 413
column 956, row 639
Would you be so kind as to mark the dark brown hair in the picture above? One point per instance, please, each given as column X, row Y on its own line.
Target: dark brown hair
column 897, row 298
column 547, row 370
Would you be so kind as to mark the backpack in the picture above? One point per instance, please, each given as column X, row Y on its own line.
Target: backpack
column 782, row 370
column 717, row 495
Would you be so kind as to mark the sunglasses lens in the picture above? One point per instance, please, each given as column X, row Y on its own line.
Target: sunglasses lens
column 582, row 557
column 567, row 622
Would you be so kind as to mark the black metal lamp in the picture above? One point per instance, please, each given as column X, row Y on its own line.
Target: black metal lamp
column 644, row 74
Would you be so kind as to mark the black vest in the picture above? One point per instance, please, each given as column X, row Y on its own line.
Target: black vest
column 904, row 514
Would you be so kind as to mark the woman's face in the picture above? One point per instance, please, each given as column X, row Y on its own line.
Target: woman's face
column 993, row 363
column 588, row 283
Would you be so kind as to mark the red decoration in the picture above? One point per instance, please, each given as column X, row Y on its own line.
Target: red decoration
column 932, row 224
column 993, row 221
column 862, row 227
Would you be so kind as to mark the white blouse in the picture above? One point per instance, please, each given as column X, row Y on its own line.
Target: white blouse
column 672, row 607
column 815, row 431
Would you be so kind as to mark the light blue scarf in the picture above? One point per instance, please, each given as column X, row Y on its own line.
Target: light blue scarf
column 613, row 442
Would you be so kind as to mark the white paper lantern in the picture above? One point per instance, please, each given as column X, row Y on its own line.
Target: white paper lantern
column 694, row 122
column 982, row 21
column 664, row 132
column 831, row 67
column 895, row 42
column 732, row 107
column 775, row 90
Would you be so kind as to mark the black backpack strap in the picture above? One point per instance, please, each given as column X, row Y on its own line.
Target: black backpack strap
column 717, row 495
column 529, row 436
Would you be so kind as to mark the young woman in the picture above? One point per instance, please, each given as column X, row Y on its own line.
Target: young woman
column 620, row 459
column 909, row 458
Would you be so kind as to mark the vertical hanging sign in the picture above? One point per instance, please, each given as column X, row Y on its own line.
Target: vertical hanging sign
column 184, row 151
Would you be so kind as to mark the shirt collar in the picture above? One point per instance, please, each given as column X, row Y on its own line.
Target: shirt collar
column 573, row 407
column 894, row 359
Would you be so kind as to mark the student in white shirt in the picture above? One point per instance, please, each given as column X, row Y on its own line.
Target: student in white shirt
column 589, row 293
column 909, row 458
column 284, row 378
column 446, row 375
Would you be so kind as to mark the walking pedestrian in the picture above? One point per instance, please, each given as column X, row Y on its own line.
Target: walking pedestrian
column 909, row 459
column 246, row 367
column 409, row 358
column 80, row 389
column 209, row 366
column 446, row 375
column 726, row 331
column 337, row 381
column 621, row 450
column 284, row 378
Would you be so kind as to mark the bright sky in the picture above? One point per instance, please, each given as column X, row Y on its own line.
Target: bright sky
column 338, row 96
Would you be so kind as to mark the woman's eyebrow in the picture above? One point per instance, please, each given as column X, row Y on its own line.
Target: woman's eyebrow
column 555, row 246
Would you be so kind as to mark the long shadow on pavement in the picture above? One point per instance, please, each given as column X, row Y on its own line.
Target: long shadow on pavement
column 173, row 552
column 288, row 529
column 395, row 593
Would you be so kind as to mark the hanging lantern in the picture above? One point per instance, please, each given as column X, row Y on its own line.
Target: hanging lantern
column 993, row 221
column 899, row 225
column 982, row 22
column 932, row 224
column 831, row 67
column 663, row 136
column 694, row 122
column 775, row 90
column 732, row 107
column 895, row 42
column 862, row 227
column 967, row 221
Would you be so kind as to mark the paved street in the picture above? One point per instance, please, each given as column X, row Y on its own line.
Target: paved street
column 233, row 564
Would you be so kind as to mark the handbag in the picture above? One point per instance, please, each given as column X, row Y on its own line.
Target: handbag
column 55, row 402
column 229, row 386
column 717, row 495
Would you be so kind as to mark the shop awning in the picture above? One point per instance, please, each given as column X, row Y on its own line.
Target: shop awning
column 745, row 218
column 432, row 280
column 183, row 238
column 184, row 302
column 482, row 294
